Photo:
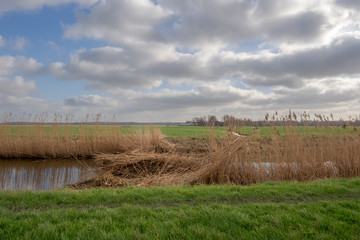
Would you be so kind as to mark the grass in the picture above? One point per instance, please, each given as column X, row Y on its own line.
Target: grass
column 77, row 131
column 326, row 209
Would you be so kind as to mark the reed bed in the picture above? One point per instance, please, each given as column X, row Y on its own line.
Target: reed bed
column 295, row 157
column 148, row 158
column 58, row 141
column 236, row 160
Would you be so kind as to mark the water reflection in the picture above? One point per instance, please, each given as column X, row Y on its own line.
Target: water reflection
column 42, row 174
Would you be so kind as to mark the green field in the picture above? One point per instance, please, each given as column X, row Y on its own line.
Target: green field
column 104, row 130
column 169, row 131
column 326, row 209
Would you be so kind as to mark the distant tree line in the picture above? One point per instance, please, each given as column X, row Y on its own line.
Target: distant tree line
column 226, row 120
column 303, row 119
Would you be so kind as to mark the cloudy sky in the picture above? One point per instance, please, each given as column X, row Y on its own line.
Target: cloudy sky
column 172, row 60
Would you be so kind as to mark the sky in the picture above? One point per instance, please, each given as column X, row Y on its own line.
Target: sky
column 171, row 60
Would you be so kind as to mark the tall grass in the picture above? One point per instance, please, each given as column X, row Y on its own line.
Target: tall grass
column 247, row 160
column 310, row 153
column 56, row 139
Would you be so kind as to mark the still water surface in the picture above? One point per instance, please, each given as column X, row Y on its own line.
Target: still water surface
column 42, row 174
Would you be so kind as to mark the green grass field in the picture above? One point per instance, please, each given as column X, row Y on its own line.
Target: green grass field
column 169, row 131
column 91, row 130
column 326, row 209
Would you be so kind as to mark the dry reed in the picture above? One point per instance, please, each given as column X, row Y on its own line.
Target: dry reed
column 57, row 140
column 295, row 157
column 147, row 158
column 239, row 160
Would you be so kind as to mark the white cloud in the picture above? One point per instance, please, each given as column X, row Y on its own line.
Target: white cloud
column 119, row 21
column 27, row 104
column 221, row 98
column 207, row 23
column 112, row 67
column 109, row 68
column 104, row 68
column 91, row 100
column 10, row 65
column 293, row 70
column 303, row 35
column 16, row 86
column 206, row 96
column 11, row 81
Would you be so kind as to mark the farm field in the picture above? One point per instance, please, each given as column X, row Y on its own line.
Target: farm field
column 76, row 131
column 323, row 209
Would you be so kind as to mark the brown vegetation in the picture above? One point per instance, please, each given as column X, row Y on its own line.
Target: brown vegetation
column 147, row 158
column 233, row 160
column 57, row 141
column 295, row 157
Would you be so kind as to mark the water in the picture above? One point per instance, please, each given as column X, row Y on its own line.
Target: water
column 42, row 174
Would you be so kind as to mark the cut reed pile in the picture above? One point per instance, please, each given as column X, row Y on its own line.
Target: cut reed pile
column 232, row 160
column 144, row 169
column 163, row 162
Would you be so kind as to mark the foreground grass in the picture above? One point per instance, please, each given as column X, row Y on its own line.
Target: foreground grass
column 326, row 209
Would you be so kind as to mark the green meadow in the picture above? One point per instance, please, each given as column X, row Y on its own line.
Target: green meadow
column 169, row 131
column 106, row 130
column 324, row 209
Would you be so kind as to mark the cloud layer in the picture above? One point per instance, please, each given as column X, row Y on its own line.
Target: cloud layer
column 181, row 58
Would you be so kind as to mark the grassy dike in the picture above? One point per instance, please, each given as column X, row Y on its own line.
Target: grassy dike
column 324, row 209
